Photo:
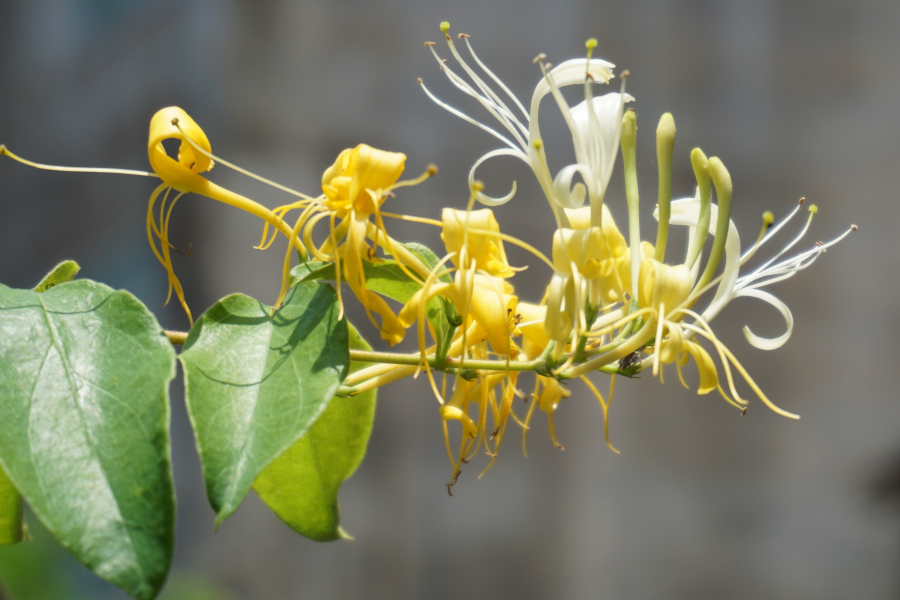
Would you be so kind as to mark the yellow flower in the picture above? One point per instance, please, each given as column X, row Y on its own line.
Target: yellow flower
column 359, row 178
column 183, row 176
column 473, row 229
column 354, row 189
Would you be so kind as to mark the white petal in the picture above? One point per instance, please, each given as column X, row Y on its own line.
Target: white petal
column 563, row 192
column 769, row 343
column 484, row 198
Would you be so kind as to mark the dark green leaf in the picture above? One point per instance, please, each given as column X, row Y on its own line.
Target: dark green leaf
column 301, row 486
column 61, row 273
column 255, row 383
column 12, row 518
column 84, row 378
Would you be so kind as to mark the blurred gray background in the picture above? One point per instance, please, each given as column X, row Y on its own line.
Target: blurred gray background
column 799, row 98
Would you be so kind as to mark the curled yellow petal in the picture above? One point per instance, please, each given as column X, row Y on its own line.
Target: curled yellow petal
column 709, row 376
column 453, row 413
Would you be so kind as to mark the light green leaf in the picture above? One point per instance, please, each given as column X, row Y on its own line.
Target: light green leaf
column 254, row 383
column 84, row 378
column 12, row 518
column 301, row 486
column 61, row 273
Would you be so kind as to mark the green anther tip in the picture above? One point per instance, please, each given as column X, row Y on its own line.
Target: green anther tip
column 666, row 128
column 768, row 218
column 477, row 185
column 591, row 43
column 813, row 208
column 720, row 176
column 537, row 144
column 698, row 158
column 445, row 26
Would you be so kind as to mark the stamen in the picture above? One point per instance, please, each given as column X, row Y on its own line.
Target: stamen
column 259, row 178
column 467, row 118
column 7, row 152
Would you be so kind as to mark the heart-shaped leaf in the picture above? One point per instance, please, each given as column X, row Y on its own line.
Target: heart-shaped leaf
column 84, row 426
column 301, row 486
column 254, row 383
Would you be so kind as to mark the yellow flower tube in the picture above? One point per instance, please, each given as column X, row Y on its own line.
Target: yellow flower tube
column 184, row 174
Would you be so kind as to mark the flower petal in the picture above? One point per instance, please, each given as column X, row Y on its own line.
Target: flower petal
column 769, row 343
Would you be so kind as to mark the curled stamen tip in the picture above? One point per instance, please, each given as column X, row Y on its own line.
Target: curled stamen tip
column 852, row 227
column 426, row 44
column 591, row 43
column 539, row 58
column 768, row 218
column 463, row 35
column 418, row 80
column 431, row 169
column 813, row 208
column 802, row 200
column 445, row 26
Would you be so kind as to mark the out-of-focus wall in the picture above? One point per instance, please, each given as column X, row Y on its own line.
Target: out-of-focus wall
column 799, row 99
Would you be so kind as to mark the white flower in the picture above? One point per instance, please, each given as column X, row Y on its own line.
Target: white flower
column 687, row 212
column 595, row 125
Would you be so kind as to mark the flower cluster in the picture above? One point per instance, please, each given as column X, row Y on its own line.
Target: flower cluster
column 613, row 302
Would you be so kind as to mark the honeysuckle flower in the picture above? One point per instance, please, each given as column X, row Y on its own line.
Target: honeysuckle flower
column 354, row 188
column 486, row 251
column 593, row 123
column 183, row 175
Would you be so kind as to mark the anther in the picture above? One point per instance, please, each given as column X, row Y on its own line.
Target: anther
column 625, row 73
column 820, row 244
column 2, row 148
column 419, row 80
column 426, row 44
column 852, row 227
column 591, row 43
column 431, row 169
column 548, row 65
column 744, row 412
column 477, row 185
column 540, row 57
column 175, row 121
column 813, row 208
column 802, row 200
column 768, row 218
column 445, row 26
column 463, row 35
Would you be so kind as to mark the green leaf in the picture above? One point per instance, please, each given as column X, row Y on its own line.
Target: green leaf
column 84, row 378
column 12, row 518
column 61, row 273
column 255, row 383
column 301, row 486
column 387, row 278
